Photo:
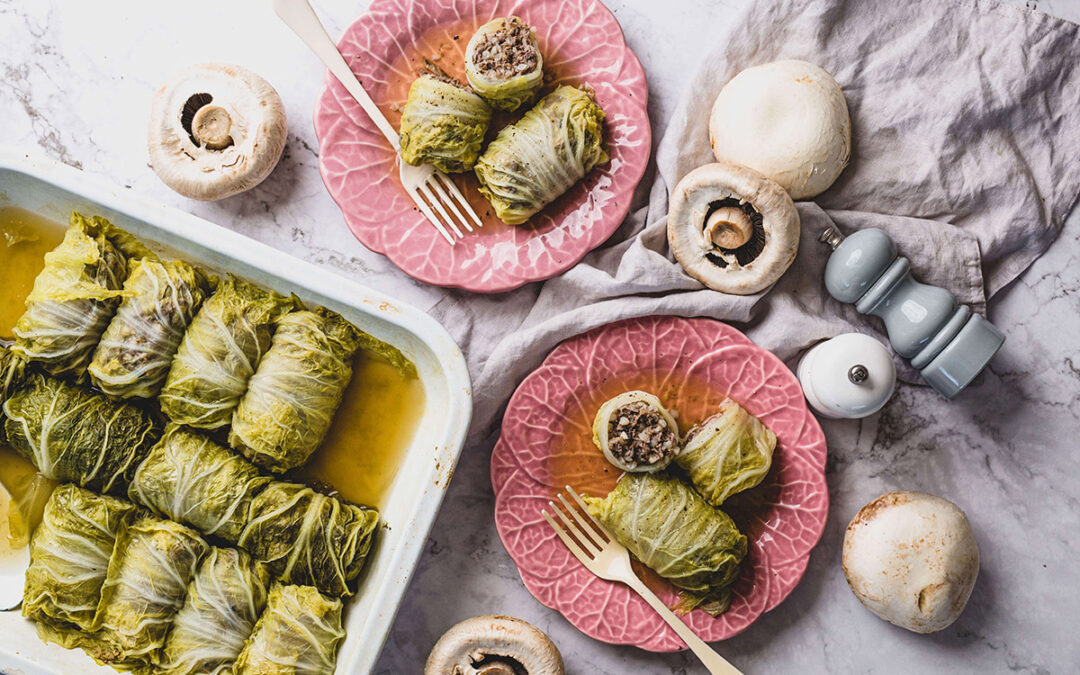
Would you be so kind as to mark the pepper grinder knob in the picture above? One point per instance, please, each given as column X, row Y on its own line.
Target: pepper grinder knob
column 948, row 343
column 850, row 376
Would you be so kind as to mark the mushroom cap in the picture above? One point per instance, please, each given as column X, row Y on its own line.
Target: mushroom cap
column 246, row 122
column 911, row 558
column 786, row 119
column 480, row 645
column 692, row 202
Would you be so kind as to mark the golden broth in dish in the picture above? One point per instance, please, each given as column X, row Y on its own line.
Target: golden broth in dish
column 371, row 430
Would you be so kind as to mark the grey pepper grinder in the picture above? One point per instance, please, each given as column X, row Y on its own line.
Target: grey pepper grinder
column 948, row 343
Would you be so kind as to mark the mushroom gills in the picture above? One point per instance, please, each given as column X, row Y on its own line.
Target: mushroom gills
column 747, row 252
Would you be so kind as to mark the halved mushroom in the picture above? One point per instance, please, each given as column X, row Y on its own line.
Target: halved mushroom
column 732, row 228
column 494, row 645
column 786, row 119
column 216, row 130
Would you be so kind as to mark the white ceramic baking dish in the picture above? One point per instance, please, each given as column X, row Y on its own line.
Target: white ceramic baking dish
column 53, row 190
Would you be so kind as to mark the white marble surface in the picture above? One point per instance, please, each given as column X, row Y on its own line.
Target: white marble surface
column 76, row 79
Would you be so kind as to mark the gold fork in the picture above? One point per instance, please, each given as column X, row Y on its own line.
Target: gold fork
column 593, row 545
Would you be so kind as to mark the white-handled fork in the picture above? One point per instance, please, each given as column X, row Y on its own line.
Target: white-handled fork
column 608, row 559
column 431, row 190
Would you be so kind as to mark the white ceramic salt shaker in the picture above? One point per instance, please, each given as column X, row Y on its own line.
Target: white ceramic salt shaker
column 850, row 376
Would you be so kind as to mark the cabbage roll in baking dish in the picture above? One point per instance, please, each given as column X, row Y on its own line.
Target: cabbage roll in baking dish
column 74, row 435
column 69, row 556
column 670, row 528
column 223, row 602
column 727, row 453
column 12, row 372
column 533, row 161
column 191, row 479
column 296, row 389
column 137, row 349
column 298, row 634
column 75, row 295
column 503, row 63
column 308, row 538
column 219, row 353
column 443, row 123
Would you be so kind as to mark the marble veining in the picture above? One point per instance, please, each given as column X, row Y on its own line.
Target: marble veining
column 76, row 80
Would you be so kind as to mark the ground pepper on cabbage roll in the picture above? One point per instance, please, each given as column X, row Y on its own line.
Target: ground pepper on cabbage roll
column 74, row 435
column 503, row 63
column 727, row 453
column 136, row 350
column 219, row 353
column 674, row 532
column 75, row 295
column 12, row 372
column 298, row 634
column 539, row 157
column 223, row 602
column 443, row 123
column 191, row 479
column 69, row 556
column 292, row 398
column 152, row 564
column 308, row 538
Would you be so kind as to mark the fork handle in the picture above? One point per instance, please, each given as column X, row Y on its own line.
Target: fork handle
column 716, row 664
column 298, row 15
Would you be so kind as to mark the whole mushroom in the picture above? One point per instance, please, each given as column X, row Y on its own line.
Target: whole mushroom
column 494, row 645
column 786, row 119
column 911, row 558
column 216, row 130
column 732, row 229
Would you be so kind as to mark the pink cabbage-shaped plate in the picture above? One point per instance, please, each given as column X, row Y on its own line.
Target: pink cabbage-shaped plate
column 582, row 44
column 691, row 364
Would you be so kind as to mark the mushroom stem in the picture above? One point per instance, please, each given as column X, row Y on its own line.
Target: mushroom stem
column 728, row 227
column 211, row 126
column 496, row 668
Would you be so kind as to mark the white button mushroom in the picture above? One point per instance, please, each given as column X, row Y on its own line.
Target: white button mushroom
column 494, row 645
column 911, row 558
column 786, row 119
column 216, row 130
column 732, row 228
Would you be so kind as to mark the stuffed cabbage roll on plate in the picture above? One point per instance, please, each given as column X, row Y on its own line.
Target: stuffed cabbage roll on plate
column 77, row 436
column 308, row 538
column 503, row 63
column 219, row 353
column 538, row 158
column 443, row 123
column 137, row 348
column 191, row 479
column 296, row 389
column 670, row 528
column 69, row 556
column 75, row 295
column 223, row 602
column 727, row 453
column 298, row 634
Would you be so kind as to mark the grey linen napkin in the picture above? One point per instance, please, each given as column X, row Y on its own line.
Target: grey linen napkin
column 966, row 132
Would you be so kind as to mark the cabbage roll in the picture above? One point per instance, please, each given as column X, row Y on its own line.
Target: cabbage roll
column 503, row 63
column 193, row 480
column 296, row 389
column 533, row 161
column 727, row 453
column 74, row 435
column 136, row 350
column 671, row 529
column 153, row 562
column 219, row 353
column 75, row 295
column 223, row 602
column 12, row 372
column 298, row 634
column 307, row 538
column 443, row 123
column 69, row 556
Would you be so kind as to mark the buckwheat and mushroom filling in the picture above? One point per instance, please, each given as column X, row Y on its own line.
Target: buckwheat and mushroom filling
column 638, row 434
column 507, row 52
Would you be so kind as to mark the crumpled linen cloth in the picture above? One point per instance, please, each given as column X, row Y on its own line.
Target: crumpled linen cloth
column 965, row 149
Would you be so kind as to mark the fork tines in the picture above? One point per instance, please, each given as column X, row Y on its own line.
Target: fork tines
column 584, row 536
column 439, row 192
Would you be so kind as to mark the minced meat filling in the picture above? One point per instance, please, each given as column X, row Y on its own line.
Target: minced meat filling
column 436, row 73
column 639, row 435
column 507, row 52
